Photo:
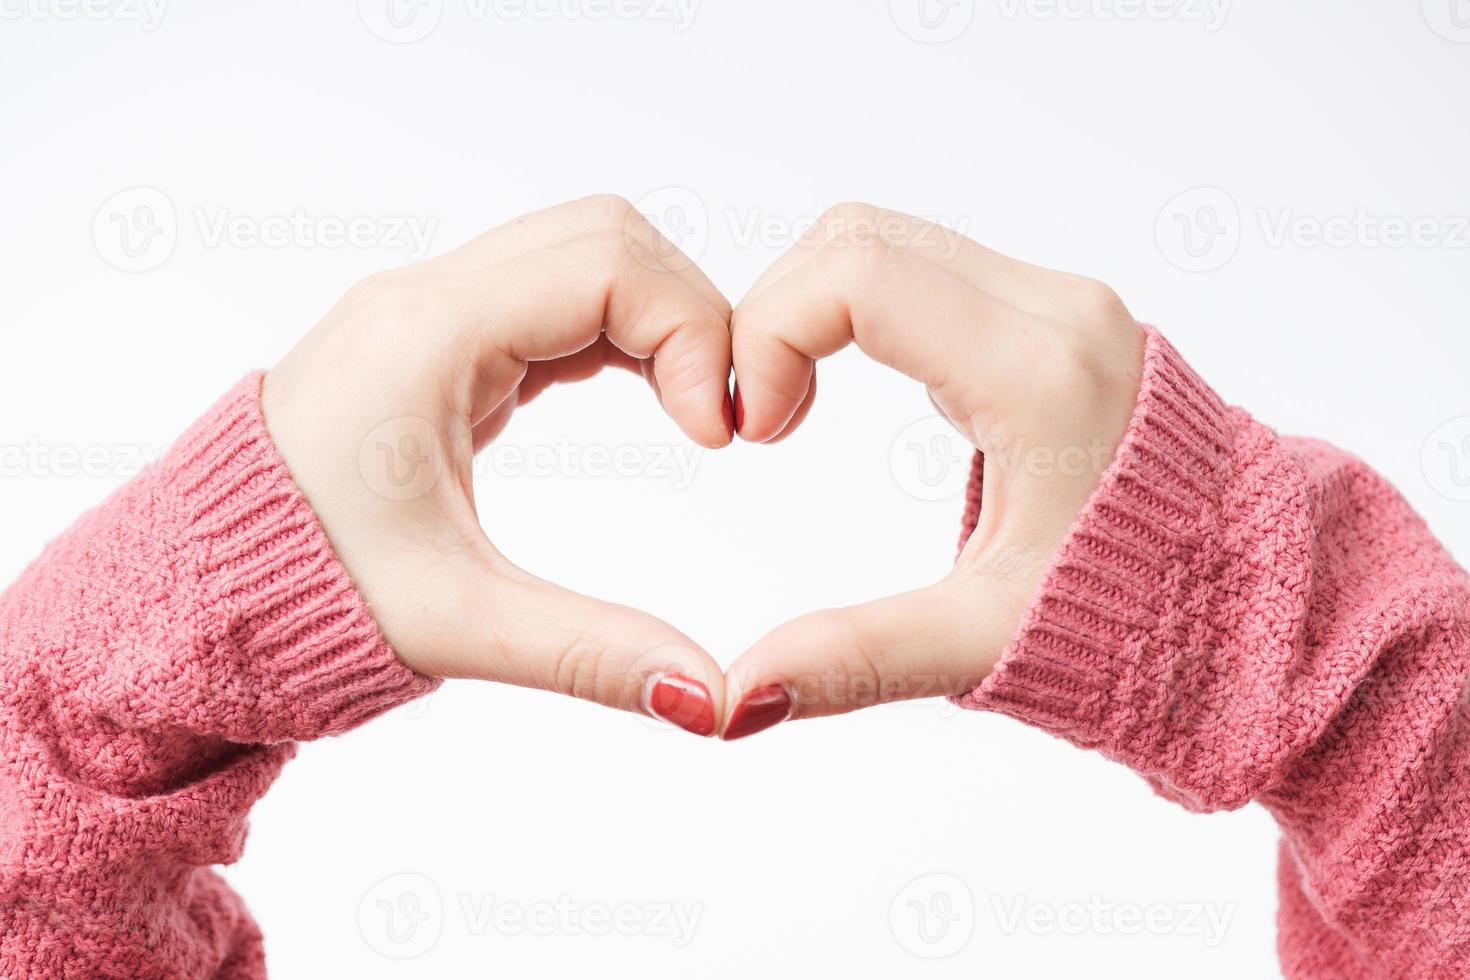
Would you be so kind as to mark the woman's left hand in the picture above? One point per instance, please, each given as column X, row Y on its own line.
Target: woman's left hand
column 1039, row 369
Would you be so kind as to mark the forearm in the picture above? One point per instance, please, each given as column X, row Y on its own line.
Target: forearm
column 160, row 657
column 1243, row 617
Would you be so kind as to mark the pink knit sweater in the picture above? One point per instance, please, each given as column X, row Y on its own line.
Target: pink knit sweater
column 160, row 660
column 1235, row 615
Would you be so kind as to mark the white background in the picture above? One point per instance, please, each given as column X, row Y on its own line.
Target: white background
column 1063, row 136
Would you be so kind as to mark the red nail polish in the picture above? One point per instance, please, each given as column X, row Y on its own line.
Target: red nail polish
column 729, row 412
column 681, row 701
column 739, row 409
column 759, row 710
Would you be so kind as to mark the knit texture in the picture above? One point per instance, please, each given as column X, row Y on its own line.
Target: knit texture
column 1235, row 615
column 1244, row 617
column 159, row 660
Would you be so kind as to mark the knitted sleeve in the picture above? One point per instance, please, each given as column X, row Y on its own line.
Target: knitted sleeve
column 1240, row 616
column 158, row 661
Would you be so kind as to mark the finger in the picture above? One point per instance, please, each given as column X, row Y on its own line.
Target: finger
column 857, row 225
column 903, row 310
column 933, row 642
column 574, row 219
column 491, row 426
column 572, row 644
column 556, row 302
column 541, row 375
column 799, row 415
column 586, row 363
column 509, row 626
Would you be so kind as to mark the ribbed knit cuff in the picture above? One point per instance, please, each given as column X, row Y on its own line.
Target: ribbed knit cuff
column 268, row 581
column 1085, row 662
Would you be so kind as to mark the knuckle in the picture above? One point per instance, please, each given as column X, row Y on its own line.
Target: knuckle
column 369, row 288
column 682, row 369
column 610, row 210
column 384, row 301
column 861, row 261
column 1095, row 301
column 612, row 247
column 722, row 309
column 847, row 221
column 763, row 354
column 577, row 669
column 1072, row 368
column 850, row 211
column 1097, row 340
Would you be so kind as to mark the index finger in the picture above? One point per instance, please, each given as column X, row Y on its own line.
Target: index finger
column 919, row 313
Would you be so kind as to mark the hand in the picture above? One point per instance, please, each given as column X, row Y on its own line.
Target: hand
column 1038, row 369
column 379, row 411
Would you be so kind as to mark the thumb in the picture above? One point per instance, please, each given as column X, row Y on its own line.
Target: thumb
column 512, row 627
column 938, row 641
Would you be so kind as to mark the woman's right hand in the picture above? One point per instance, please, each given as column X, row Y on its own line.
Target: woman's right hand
column 380, row 409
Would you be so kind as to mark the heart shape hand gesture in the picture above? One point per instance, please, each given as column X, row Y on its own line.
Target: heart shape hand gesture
column 1038, row 369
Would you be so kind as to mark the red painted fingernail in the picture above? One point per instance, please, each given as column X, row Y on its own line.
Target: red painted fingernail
column 681, row 701
column 729, row 411
column 739, row 409
column 759, row 710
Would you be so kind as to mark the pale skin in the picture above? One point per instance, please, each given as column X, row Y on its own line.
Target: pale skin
column 1037, row 367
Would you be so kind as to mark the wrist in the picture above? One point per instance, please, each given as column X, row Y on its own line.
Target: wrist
column 280, row 631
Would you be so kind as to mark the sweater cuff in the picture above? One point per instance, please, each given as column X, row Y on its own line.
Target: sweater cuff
column 270, row 592
column 1085, row 664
